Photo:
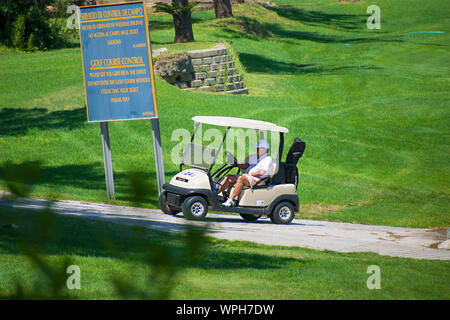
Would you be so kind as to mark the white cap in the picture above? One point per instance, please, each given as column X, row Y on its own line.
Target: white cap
column 263, row 144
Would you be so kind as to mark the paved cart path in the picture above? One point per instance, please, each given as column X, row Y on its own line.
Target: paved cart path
column 314, row 234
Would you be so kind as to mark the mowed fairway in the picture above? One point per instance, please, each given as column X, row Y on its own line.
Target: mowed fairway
column 224, row 270
column 372, row 106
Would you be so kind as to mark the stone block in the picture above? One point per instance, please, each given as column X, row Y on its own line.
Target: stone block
column 212, row 74
column 237, row 77
column 207, row 60
column 196, row 83
column 214, row 67
column 200, row 75
column 239, row 91
column 230, row 64
column 232, row 71
column 231, row 79
column 218, row 87
column 196, row 61
column 209, row 81
column 203, row 53
column 216, row 60
column 220, row 80
column 205, row 88
column 224, row 58
column 230, row 86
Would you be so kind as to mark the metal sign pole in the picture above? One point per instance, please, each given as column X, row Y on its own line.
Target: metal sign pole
column 158, row 154
column 107, row 160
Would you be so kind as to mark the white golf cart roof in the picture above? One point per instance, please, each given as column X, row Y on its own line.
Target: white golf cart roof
column 239, row 123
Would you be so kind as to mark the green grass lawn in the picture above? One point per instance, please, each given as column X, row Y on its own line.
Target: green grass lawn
column 372, row 106
column 224, row 270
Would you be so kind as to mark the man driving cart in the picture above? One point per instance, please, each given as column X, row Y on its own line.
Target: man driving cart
column 256, row 166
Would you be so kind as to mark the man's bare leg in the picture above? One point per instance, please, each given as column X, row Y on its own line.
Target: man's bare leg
column 240, row 183
column 225, row 183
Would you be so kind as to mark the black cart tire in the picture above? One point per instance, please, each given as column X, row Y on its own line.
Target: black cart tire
column 166, row 208
column 250, row 217
column 195, row 208
column 283, row 213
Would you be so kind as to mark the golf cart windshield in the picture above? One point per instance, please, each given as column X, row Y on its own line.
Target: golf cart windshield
column 196, row 155
column 231, row 142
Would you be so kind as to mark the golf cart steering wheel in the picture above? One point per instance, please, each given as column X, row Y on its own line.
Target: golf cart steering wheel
column 231, row 159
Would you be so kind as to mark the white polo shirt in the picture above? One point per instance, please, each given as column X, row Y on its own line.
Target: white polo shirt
column 252, row 160
column 264, row 163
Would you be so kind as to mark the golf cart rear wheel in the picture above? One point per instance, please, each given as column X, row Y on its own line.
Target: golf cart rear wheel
column 250, row 217
column 195, row 208
column 166, row 208
column 283, row 213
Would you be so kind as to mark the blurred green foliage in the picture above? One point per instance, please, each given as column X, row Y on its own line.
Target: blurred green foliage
column 162, row 262
column 29, row 25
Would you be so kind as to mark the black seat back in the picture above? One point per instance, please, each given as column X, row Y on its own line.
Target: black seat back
column 288, row 172
column 294, row 154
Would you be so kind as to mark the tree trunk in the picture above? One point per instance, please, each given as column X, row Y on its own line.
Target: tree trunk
column 183, row 24
column 223, row 8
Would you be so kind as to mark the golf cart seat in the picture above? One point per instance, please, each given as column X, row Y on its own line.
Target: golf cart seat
column 288, row 172
column 266, row 181
column 294, row 154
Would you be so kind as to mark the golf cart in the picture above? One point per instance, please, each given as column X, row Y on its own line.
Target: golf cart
column 195, row 189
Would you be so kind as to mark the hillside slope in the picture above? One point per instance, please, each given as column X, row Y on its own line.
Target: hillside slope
column 372, row 106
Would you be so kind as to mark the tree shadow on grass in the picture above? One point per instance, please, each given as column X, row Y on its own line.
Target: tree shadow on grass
column 259, row 64
column 91, row 177
column 96, row 238
column 195, row 18
column 159, row 25
column 218, row 258
column 161, row 42
column 311, row 17
column 252, row 29
column 242, row 26
column 18, row 121
column 290, row 34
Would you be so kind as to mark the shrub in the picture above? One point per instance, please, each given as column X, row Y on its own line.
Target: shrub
column 18, row 33
column 27, row 24
column 30, row 44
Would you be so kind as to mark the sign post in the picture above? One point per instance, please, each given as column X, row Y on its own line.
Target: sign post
column 158, row 154
column 107, row 160
column 118, row 74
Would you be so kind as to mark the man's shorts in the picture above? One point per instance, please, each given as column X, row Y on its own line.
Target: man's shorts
column 251, row 179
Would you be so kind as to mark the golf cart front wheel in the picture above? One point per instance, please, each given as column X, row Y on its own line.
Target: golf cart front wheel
column 195, row 208
column 283, row 213
column 165, row 207
column 250, row 217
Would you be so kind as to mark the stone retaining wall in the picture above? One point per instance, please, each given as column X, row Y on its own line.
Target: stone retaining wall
column 215, row 71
